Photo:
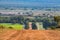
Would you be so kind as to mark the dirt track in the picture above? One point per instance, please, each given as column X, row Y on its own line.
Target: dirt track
column 29, row 35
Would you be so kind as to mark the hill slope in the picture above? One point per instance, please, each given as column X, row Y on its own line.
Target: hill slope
column 29, row 35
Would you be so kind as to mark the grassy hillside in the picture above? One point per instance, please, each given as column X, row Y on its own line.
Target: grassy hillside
column 13, row 26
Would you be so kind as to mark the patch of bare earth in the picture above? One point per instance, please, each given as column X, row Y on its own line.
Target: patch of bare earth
column 30, row 35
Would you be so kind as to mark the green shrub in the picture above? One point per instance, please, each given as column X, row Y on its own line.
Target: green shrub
column 53, row 27
column 11, row 27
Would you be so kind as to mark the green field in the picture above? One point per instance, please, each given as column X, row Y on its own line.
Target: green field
column 14, row 26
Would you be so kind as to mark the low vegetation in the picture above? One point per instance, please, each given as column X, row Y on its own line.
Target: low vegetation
column 17, row 22
column 11, row 26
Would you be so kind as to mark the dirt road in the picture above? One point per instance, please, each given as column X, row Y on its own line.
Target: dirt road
column 30, row 35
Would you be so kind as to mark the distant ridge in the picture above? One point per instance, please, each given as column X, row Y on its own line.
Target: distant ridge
column 25, row 6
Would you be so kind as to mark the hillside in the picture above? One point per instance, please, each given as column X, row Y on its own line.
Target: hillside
column 8, row 34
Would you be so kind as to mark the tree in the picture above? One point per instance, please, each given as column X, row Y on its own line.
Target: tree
column 0, row 14
column 57, row 19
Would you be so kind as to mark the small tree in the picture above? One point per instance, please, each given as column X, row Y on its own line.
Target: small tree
column 57, row 19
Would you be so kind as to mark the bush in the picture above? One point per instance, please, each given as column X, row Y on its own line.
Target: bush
column 11, row 27
column 53, row 27
column 2, row 27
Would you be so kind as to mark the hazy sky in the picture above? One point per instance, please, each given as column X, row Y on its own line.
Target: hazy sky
column 32, row 2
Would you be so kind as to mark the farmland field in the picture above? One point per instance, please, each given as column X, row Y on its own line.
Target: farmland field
column 14, row 26
column 8, row 34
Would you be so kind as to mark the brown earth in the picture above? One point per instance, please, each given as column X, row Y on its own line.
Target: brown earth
column 29, row 34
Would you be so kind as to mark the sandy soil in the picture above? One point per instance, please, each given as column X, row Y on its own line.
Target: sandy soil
column 29, row 35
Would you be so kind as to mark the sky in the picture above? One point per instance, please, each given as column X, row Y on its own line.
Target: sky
column 31, row 2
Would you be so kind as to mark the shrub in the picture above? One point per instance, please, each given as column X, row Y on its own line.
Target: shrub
column 2, row 27
column 11, row 27
column 53, row 27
